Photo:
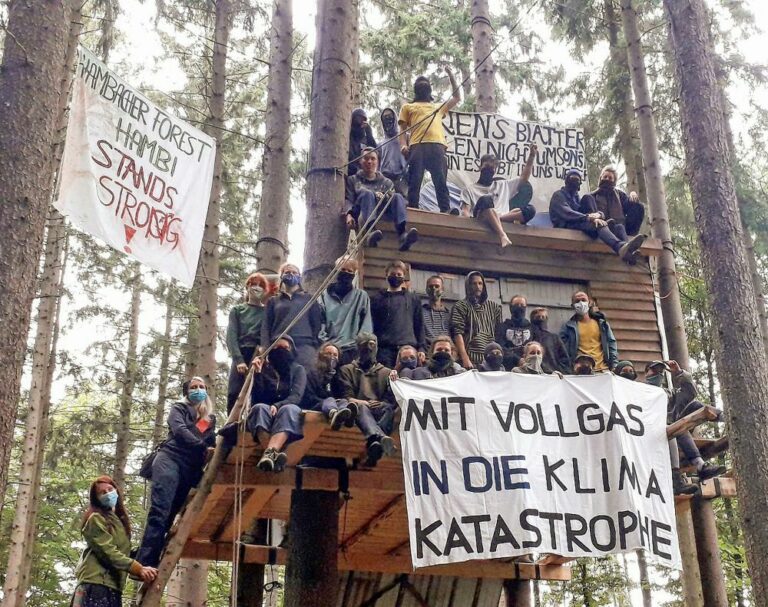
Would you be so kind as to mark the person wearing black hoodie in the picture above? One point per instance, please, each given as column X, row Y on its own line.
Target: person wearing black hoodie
column 493, row 358
column 397, row 318
column 392, row 163
column 514, row 332
column 275, row 416
column 626, row 211
column 555, row 355
column 473, row 321
column 360, row 137
column 567, row 210
column 324, row 392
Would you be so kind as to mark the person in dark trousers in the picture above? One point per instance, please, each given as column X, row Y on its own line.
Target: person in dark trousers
column 555, row 355
column 360, row 137
column 437, row 315
column 244, row 333
column 178, row 466
column 567, row 210
column 514, row 332
column 496, row 200
column 346, row 311
column 105, row 562
column 365, row 383
column 588, row 332
column 441, row 361
column 366, row 189
column 474, row 321
column 625, row 211
column 422, row 140
column 323, row 392
column 397, row 318
column 284, row 307
column 493, row 358
column 275, row 419
column 393, row 164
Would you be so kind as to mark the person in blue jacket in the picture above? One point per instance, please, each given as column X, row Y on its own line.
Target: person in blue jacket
column 588, row 332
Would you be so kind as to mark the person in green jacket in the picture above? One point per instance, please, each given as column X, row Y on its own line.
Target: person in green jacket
column 106, row 562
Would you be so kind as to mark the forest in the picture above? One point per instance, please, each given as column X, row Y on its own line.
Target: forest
column 97, row 345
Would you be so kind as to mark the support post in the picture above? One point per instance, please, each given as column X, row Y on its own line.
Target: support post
column 250, row 579
column 519, row 593
column 311, row 575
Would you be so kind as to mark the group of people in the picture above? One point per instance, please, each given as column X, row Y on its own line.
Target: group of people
column 384, row 180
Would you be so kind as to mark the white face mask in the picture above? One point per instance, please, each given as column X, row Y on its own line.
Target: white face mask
column 581, row 307
column 256, row 291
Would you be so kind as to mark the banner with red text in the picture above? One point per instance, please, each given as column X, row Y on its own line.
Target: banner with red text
column 133, row 175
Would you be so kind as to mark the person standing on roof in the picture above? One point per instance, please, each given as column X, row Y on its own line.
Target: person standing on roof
column 588, row 332
column 422, row 140
column 393, row 164
column 473, row 321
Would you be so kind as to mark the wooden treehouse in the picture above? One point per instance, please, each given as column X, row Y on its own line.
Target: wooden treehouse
column 373, row 560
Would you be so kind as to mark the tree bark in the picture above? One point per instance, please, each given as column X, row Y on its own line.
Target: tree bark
column 331, row 108
column 159, row 431
column 645, row 580
column 250, row 578
column 518, row 593
column 741, row 357
column 30, row 85
column 275, row 208
column 482, row 43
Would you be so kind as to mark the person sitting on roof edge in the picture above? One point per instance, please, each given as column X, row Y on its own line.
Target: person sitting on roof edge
column 496, row 200
column 626, row 211
column 324, row 391
column 567, row 210
column 422, row 140
column 368, row 190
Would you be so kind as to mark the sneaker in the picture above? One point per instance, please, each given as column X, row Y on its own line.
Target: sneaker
column 627, row 250
column 374, row 451
column 352, row 408
column 374, row 238
column 681, row 486
column 338, row 418
column 388, row 445
column 408, row 238
column 281, row 458
column 707, row 472
column 267, row 461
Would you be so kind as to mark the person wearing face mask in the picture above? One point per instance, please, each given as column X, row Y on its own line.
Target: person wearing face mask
column 588, row 332
column 436, row 314
column 284, row 307
column 514, row 332
column 323, row 392
column 105, row 563
column 360, row 137
column 275, row 419
column 366, row 189
column 584, row 364
column 493, row 358
column 406, row 363
column 422, row 140
column 365, row 384
column 392, row 164
column 244, row 333
column 346, row 312
column 567, row 210
column 178, row 465
column 496, row 200
column 397, row 317
column 441, row 361
column 625, row 213
column 555, row 355
column 532, row 360
column 473, row 321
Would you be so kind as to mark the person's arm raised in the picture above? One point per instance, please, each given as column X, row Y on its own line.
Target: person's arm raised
column 456, row 98
column 526, row 174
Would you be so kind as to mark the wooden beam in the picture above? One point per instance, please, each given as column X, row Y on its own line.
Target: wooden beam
column 253, row 504
column 210, row 504
column 718, row 487
column 382, row 516
column 690, row 421
column 554, row 559
column 713, row 448
column 321, row 479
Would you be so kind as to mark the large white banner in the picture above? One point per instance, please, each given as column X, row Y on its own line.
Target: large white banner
column 500, row 464
column 471, row 135
column 133, row 175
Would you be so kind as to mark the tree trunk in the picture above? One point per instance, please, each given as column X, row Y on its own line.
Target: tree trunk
column 671, row 307
column 741, row 357
column 159, row 431
column 123, row 442
column 275, row 209
column 645, row 580
column 482, row 43
column 250, row 577
column 331, row 109
column 30, row 86
column 518, row 593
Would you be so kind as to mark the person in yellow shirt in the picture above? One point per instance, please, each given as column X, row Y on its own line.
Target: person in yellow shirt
column 422, row 140
column 588, row 333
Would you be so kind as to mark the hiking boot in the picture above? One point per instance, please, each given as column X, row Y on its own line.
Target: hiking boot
column 374, row 238
column 374, row 451
column 388, row 445
column 352, row 408
column 267, row 461
column 281, row 458
column 681, row 485
column 338, row 417
column 408, row 238
column 627, row 250
column 707, row 472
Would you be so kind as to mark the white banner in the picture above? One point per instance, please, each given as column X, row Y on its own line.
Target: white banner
column 470, row 136
column 133, row 175
column 500, row 464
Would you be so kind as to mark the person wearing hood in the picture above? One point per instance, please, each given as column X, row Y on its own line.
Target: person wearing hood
column 555, row 354
column 494, row 200
column 514, row 332
column 177, row 466
column 393, row 164
column 244, row 333
column 397, row 318
column 284, row 307
column 625, row 211
column 532, row 360
column 323, row 392
column 275, row 419
column 367, row 190
column 365, row 384
column 588, row 332
column 493, row 358
column 473, row 321
column 360, row 137
column 422, row 140
column 567, row 210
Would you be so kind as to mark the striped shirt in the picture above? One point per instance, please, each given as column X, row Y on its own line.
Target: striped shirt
column 436, row 322
column 477, row 324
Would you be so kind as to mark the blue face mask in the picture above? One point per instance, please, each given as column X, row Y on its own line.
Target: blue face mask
column 291, row 280
column 108, row 499
column 197, row 395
